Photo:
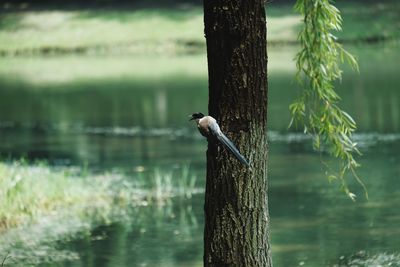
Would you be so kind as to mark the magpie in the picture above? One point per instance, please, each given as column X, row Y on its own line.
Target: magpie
column 209, row 128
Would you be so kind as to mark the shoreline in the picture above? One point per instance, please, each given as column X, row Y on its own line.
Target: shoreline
column 172, row 48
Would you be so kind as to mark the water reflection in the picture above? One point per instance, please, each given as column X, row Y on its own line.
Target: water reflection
column 153, row 236
column 316, row 225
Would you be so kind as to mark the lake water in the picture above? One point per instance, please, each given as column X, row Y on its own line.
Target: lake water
column 130, row 114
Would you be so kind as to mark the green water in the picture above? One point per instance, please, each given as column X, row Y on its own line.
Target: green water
column 130, row 114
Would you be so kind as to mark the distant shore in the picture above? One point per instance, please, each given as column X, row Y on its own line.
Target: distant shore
column 27, row 30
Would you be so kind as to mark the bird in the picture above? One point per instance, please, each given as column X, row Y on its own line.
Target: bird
column 209, row 128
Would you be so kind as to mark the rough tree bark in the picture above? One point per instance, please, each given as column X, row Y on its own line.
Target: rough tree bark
column 236, row 210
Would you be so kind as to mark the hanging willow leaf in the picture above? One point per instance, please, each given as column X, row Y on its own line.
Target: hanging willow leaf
column 318, row 66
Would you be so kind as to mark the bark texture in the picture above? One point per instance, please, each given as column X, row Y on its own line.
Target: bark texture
column 236, row 209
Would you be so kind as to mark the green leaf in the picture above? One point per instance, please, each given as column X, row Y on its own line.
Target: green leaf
column 331, row 178
column 349, row 117
column 318, row 67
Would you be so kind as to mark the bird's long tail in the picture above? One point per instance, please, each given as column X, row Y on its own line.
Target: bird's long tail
column 232, row 148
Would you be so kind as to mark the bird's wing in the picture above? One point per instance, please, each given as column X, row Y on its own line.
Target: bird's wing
column 216, row 131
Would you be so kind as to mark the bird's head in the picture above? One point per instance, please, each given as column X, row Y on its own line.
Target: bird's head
column 196, row 116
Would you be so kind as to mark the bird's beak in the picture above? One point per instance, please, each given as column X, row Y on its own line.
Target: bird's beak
column 191, row 118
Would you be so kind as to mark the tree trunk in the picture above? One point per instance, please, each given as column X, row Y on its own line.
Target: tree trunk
column 236, row 210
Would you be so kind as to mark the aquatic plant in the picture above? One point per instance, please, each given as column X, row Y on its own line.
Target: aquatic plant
column 28, row 192
column 169, row 183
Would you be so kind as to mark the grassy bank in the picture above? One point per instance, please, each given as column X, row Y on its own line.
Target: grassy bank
column 167, row 31
column 30, row 192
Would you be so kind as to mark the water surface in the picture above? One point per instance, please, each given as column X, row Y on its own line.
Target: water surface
column 130, row 114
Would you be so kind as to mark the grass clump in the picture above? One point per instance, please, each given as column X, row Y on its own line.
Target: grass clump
column 29, row 192
column 165, row 186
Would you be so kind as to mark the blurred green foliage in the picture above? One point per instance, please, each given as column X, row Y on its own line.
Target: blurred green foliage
column 166, row 29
